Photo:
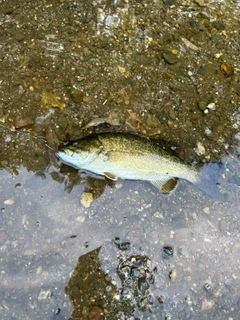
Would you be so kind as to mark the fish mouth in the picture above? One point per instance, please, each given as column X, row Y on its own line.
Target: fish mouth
column 67, row 152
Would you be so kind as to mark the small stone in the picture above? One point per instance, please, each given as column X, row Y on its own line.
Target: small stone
column 37, row 97
column 170, row 58
column 44, row 294
column 108, row 278
column 201, row 3
column 227, row 69
column 173, row 275
column 167, row 252
column 39, row 270
column 87, row 99
column 172, row 114
column 208, row 287
column 4, row 163
column 202, row 105
column 80, row 219
column 86, row 199
column 9, row 202
column 206, row 210
column 218, row 55
column 214, row 136
column 158, row 215
column 200, row 150
column 96, row 313
column 18, row 36
column 195, row 117
column 211, row 106
column 207, row 304
column 22, row 122
column 51, row 100
column 77, row 95
column 218, row 25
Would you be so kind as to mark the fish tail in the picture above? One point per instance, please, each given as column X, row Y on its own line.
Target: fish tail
column 209, row 176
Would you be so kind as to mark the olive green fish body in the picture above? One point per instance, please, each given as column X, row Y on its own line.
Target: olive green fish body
column 131, row 157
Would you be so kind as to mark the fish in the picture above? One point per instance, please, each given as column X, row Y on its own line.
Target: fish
column 132, row 157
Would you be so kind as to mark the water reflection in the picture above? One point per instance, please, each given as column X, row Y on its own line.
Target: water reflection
column 122, row 240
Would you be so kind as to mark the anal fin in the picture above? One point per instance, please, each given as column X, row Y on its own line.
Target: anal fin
column 166, row 185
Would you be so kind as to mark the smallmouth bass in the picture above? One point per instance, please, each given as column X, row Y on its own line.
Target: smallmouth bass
column 126, row 156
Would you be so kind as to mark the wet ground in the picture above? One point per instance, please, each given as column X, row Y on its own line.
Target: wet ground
column 168, row 70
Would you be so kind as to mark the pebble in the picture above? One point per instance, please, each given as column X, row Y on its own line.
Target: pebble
column 22, row 122
column 207, row 304
column 206, row 210
column 201, row 3
column 170, row 58
column 208, row 287
column 80, row 219
column 39, row 270
column 200, row 150
column 77, row 95
column 158, row 214
column 167, row 252
column 211, row 106
column 37, row 97
column 108, row 278
column 172, row 114
column 227, row 69
column 202, row 105
column 51, row 100
column 86, row 199
column 44, row 294
column 173, row 275
column 9, row 202
column 87, row 99
column 4, row 163
column 96, row 313
column 18, row 36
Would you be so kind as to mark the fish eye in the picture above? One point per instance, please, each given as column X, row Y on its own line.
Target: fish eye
column 74, row 144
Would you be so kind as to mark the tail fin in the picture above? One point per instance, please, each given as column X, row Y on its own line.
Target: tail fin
column 208, row 178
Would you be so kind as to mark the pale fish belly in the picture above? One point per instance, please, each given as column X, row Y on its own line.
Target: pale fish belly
column 141, row 167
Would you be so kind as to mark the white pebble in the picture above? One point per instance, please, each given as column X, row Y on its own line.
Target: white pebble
column 9, row 202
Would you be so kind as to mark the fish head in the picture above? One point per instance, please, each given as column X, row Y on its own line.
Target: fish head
column 80, row 153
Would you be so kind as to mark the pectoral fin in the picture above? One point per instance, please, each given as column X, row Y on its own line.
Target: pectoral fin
column 166, row 185
column 110, row 176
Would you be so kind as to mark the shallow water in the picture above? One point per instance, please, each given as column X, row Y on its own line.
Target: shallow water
column 44, row 230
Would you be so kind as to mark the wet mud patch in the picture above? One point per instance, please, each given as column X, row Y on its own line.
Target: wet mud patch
column 159, row 70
